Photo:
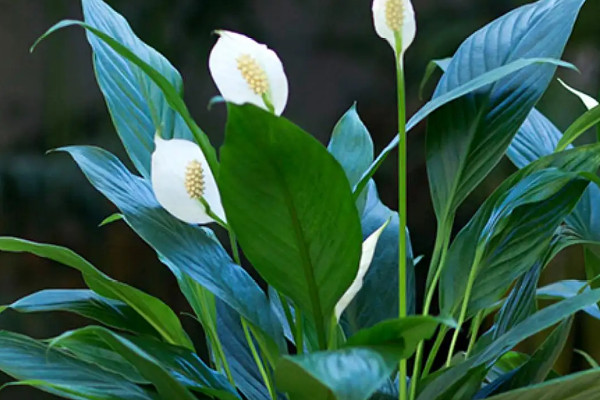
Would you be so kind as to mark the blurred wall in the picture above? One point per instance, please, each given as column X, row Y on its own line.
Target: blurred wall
column 332, row 57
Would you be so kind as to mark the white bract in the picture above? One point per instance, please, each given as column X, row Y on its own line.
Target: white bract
column 395, row 19
column 248, row 72
column 588, row 101
column 182, row 181
column 368, row 251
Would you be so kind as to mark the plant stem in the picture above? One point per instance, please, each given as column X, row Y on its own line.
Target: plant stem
column 258, row 361
column 402, row 289
column 465, row 303
column 437, row 260
column 434, row 351
column 474, row 331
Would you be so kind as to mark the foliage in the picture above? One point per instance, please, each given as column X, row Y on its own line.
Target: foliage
column 335, row 314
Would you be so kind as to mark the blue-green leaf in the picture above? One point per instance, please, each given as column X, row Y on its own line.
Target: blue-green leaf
column 58, row 373
column 113, row 313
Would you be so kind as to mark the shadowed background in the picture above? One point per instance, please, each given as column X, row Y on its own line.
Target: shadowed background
column 332, row 58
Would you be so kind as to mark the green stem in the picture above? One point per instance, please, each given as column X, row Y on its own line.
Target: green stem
column 474, row 331
column 438, row 258
column 402, row 289
column 465, row 304
column 434, row 351
column 213, row 336
column 258, row 361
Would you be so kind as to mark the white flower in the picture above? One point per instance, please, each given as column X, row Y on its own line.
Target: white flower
column 368, row 251
column 395, row 19
column 248, row 72
column 182, row 181
column 588, row 101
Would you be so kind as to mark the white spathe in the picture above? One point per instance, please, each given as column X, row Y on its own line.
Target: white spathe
column 171, row 161
column 245, row 71
column 395, row 16
column 588, row 101
column 368, row 251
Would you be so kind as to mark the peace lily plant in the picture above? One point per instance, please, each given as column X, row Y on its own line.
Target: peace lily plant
column 334, row 315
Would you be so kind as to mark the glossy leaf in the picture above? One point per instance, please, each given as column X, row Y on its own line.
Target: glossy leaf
column 512, row 230
column 529, row 327
column 171, row 94
column 166, row 385
column 58, row 373
column 86, row 303
column 190, row 252
column 137, row 106
column 147, row 360
column 441, row 63
column 348, row 374
column 352, row 147
column 303, row 234
column 154, row 311
column 467, row 138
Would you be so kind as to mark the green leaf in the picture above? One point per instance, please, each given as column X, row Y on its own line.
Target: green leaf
column 467, row 138
column 352, row 147
column 191, row 252
column 58, row 373
column 580, row 386
column 590, row 360
column 154, row 311
column 378, row 299
column 579, row 127
column 529, row 327
column 303, row 235
column 166, row 385
column 512, row 229
column 172, row 95
column 539, row 365
column 473, row 85
column 110, row 219
column 97, row 345
column 403, row 333
column 348, row 374
column 113, row 313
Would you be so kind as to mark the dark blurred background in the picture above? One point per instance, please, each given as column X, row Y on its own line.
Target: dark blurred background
column 332, row 58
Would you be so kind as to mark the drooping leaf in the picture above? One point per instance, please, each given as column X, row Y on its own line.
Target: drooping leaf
column 166, row 385
column 303, row 234
column 153, row 310
column 537, row 322
column 89, row 304
column 467, row 138
column 190, row 252
column 58, row 373
column 146, row 360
